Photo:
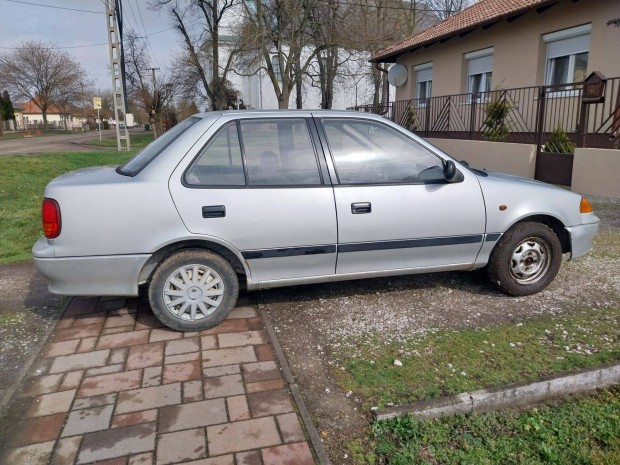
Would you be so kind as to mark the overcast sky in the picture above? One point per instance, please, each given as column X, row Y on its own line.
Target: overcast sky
column 19, row 22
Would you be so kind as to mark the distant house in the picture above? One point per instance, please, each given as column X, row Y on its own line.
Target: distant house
column 19, row 117
column 32, row 117
column 516, row 43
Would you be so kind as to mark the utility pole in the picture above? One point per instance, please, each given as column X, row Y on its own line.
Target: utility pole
column 118, row 78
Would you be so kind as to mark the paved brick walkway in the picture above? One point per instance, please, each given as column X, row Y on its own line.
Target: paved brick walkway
column 114, row 387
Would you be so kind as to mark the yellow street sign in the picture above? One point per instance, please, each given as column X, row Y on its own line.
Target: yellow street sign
column 97, row 103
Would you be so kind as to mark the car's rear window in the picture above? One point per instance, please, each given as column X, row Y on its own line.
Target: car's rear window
column 151, row 151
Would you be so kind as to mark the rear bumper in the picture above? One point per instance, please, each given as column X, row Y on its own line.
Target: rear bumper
column 100, row 275
column 581, row 238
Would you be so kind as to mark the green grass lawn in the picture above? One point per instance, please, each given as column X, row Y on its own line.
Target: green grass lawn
column 22, row 182
column 137, row 140
column 449, row 362
column 446, row 362
column 580, row 431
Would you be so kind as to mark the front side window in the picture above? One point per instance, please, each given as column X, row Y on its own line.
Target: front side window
column 368, row 152
column 279, row 152
column 567, row 55
column 479, row 72
column 219, row 162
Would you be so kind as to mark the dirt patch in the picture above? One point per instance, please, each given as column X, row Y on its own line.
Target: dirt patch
column 27, row 310
column 312, row 321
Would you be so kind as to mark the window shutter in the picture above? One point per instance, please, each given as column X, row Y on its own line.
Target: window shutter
column 570, row 46
column 424, row 75
column 480, row 65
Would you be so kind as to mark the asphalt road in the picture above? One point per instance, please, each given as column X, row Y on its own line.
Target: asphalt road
column 54, row 143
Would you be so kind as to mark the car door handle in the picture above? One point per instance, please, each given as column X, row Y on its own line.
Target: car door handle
column 361, row 207
column 213, row 211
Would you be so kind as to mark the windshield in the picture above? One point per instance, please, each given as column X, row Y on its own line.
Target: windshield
column 151, row 151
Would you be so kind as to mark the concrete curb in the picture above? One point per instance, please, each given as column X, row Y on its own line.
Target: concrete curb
column 8, row 395
column 514, row 395
column 313, row 434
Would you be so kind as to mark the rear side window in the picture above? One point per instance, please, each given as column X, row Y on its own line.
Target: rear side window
column 151, row 151
column 279, row 152
column 219, row 163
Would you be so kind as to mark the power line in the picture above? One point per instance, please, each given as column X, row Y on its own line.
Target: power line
column 152, row 52
column 53, row 6
column 54, row 48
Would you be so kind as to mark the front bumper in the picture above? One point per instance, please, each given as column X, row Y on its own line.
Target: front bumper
column 581, row 237
column 99, row 275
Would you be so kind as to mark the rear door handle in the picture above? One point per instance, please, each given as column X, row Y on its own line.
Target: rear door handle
column 361, row 207
column 213, row 211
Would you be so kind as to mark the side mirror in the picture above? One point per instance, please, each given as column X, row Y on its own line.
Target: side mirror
column 450, row 173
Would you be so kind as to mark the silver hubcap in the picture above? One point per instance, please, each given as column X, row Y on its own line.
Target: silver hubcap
column 530, row 260
column 193, row 292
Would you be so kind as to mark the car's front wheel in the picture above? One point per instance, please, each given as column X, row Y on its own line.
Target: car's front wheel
column 193, row 289
column 526, row 259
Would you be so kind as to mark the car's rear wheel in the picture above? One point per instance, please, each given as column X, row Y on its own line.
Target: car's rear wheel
column 193, row 290
column 526, row 259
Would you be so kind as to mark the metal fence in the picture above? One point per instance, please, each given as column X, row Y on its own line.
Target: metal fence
column 524, row 115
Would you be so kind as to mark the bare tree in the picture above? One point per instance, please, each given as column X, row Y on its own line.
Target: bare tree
column 381, row 23
column 39, row 72
column 445, row 8
column 277, row 37
column 143, row 86
column 200, row 24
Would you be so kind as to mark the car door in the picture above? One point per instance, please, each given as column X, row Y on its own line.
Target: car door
column 395, row 209
column 257, row 184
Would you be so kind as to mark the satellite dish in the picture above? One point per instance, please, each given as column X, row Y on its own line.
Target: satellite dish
column 397, row 75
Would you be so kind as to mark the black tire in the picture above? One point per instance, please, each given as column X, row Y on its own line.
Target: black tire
column 201, row 260
column 540, row 255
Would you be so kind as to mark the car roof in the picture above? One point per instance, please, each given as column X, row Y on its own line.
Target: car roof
column 280, row 113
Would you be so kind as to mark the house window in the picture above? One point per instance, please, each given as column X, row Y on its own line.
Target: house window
column 275, row 64
column 423, row 81
column 479, row 71
column 567, row 55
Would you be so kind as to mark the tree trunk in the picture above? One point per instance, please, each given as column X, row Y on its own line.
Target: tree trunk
column 284, row 98
column 44, row 120
column 376, row 80
column 1, row 126
column 215, row 64
column 332, row 62
column 298, row 85
column 155, row 125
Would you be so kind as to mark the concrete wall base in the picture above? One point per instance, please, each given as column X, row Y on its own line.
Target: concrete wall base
column 597, row 172
column 517, row 159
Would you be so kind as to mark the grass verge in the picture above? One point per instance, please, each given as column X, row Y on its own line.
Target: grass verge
column 582, row 430
column 22, row 182
column 137, row 140
column 446, row 362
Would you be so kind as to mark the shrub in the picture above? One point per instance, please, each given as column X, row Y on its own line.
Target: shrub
column 496, row 127
column 409, row 120
column 559, row 142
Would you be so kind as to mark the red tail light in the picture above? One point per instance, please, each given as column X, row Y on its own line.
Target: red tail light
column 51, row 218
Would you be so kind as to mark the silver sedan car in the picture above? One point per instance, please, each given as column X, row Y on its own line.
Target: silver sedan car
column 278, row 198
